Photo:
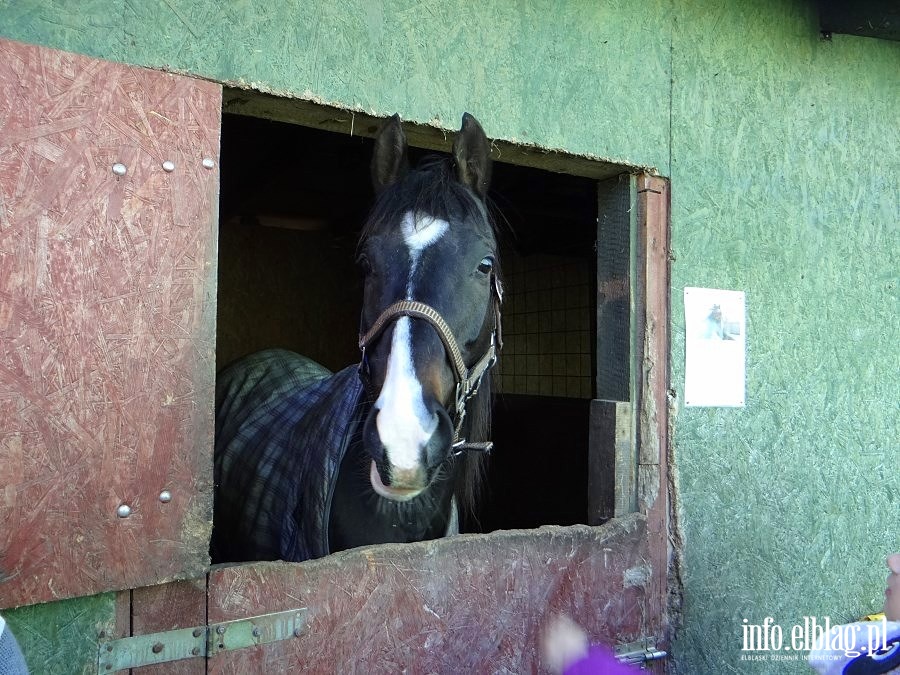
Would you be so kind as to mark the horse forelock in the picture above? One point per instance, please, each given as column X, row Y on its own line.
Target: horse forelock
column 430, row 191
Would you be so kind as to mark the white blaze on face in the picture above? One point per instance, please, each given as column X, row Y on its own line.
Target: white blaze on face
column 403, row 421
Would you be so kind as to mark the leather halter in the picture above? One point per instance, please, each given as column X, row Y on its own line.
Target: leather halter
column 467, row 379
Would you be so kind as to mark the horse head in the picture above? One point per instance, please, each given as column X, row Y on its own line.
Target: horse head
column 429, row 329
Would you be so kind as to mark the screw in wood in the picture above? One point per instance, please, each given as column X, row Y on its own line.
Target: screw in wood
column 119, row 169
column 168, row 166
column 123, row 511
column 165, row 496
column 208, row 163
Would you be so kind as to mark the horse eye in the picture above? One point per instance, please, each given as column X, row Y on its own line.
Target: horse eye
column 486, row 264
column 364, row 264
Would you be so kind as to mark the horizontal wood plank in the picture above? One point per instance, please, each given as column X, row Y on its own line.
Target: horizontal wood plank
column 472, row 603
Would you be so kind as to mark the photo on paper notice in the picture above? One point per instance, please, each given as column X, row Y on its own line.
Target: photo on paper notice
column 715, row 347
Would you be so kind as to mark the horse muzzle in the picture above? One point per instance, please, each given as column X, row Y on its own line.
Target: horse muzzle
column 406, row 461
column 397, row 491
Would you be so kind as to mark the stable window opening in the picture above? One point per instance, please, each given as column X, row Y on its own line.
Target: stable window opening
column 293, row 199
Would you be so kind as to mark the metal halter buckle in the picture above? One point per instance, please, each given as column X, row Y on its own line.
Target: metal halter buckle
column 461, row 447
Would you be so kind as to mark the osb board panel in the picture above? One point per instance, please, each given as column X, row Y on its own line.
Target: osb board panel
column 180, row 604
column 107, row 291
column 582, row 81
column 786, row 185
column 467, row 604
column 60, row 638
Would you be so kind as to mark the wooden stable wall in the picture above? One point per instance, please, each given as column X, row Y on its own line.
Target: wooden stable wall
column 107, row 287
column 108, row 178
column 469, row 604
column 473, row 603
column 784, row 164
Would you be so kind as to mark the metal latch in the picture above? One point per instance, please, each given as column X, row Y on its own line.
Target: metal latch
column 641, row 651
column 199, row 641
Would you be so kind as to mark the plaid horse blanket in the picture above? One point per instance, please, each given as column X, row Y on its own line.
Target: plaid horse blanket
column 283, row 423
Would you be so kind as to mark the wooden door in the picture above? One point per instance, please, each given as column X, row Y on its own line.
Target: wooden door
column 467, row 604
column 108, row 216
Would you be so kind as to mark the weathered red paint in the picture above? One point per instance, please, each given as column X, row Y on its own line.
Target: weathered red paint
column 181, row 604
column 107, row 310
column 467, row 604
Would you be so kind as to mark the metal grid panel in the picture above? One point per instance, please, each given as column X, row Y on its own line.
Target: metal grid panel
column 546, row 326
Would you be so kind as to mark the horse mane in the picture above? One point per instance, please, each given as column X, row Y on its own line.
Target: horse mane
column 476, row 428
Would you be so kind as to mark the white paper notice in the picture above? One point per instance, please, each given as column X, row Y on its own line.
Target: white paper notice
column 715, row 347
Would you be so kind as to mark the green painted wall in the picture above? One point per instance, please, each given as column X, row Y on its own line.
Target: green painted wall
column 61, row 637
column 786, row 175
column 784, row 154
column 511, row 62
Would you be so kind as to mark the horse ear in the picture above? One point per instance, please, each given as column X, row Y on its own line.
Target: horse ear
column 472, row 154
column 389, row 161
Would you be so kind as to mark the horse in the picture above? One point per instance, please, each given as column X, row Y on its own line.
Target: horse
column 307, row 462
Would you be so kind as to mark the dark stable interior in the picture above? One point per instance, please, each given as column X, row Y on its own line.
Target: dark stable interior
column 292, row 202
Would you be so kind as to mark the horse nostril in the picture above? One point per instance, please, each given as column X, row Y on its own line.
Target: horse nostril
column 383, row 470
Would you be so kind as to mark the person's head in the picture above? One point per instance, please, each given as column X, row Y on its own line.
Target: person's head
column 892, row 593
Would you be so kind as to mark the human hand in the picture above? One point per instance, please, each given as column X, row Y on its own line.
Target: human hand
column 563, row 643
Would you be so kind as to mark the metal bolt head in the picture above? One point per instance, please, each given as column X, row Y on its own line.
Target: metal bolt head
column 256, row 631
column 208, row 163
column 158, row 647
column 168, row 166
column 298, row 632
column 220, row 630
column 123, row 511
column 195, row 651
column 198, row 632
column 119, row 169
column 165, row 496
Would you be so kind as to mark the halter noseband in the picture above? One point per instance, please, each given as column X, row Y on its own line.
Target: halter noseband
column 467, row 379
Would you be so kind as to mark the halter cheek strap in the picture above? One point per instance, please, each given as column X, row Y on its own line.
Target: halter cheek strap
column 467, row 379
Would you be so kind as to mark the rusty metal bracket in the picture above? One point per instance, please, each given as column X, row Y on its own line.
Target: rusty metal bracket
column 199, row 641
